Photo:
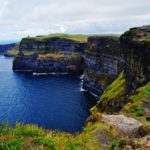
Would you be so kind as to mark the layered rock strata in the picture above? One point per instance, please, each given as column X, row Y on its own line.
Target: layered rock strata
column 102, row 63
column 37, row 64
column 53, row 44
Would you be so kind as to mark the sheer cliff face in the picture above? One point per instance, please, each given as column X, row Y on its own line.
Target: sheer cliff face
column 52, row 45
column 38, row 64
column 135, row 45
column 102, row 63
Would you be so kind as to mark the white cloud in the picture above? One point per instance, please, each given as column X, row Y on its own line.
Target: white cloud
column 19, row 18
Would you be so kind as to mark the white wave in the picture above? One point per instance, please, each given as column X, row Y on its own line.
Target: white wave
column 23, row 70
column 93, row 94
column 82, row 90
column 81, row 77
column 52, row 73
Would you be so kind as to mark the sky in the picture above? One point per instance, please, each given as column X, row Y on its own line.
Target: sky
column 20, row 18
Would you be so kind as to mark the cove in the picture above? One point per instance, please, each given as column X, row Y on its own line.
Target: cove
column 50, row 101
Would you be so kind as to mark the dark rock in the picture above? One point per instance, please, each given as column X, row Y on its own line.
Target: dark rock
column 37, row 64
column 54, row 44
column 102, row 63
column 135, row 46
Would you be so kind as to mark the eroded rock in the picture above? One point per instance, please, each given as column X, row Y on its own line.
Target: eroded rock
column 124, row 125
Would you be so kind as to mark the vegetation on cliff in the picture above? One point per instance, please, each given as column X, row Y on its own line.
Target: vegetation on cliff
column 113, row 96
column 61, row 56
column 12, row 52
column 138, row 105
column 74, row 37
column 33, row 137
column 139, row 34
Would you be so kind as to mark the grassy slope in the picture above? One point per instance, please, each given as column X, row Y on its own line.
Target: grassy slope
column 75, row 37
column 112, row 96
column 138, row 105
column 32, row 137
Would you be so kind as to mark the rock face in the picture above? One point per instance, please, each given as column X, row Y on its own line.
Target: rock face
column 106, row 57
column 113, row 98
column 125, row 125
column 54, row 44
column 102, row 63
column 37, row 64
column 135, row 45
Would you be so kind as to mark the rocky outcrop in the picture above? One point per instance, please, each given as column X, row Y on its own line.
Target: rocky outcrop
column 135, row 46
column 124, row 125
column 52, row 44
column 38, row 64
column 102, row 63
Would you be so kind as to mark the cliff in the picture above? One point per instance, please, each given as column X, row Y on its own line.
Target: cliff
column 117, row 68
column 49, row 63
column 6, row 47
column 135, row 46
column 54, row 43
column 125, row 103
column 59, row 53
column 102, row 63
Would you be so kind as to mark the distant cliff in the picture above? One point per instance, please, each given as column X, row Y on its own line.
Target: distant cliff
column 54, row 43
column 6, row 47
column 49, row 63
column 58, row 53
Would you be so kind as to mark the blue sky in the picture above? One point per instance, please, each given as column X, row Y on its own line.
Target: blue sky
column 20, row 18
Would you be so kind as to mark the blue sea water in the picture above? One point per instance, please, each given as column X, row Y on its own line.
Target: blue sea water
column 50, row 101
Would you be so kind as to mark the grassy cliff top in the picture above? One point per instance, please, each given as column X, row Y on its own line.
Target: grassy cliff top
column 74, row 37
column 140, row 34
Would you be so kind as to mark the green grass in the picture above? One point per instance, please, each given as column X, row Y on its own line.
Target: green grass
column 112, row 96
column 32, row 137
column 14, row 144
column 116, row 144
column 74, row 37
column 60, row 56
column 135, row 107
column 45, row 142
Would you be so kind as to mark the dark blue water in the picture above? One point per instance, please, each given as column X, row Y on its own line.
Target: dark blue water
column 52, row 101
